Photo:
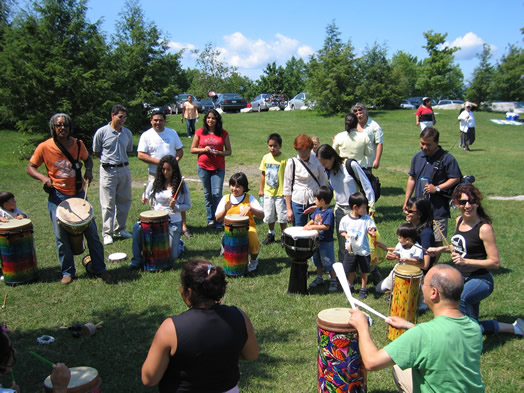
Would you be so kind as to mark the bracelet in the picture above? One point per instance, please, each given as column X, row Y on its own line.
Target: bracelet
column 407, row 323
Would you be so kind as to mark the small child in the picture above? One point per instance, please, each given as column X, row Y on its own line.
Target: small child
column 316, row 144
column 355, row 227
column 407, row 251
column 273, row 166
column 8, row 209
column 324, row 222
column 239, row 202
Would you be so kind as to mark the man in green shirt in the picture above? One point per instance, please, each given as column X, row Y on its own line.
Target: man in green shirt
column 442, row 355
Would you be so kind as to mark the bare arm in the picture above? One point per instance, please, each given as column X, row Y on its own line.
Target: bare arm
column 380, row 149
column 289, row 210
column 431, row 188
column 417, row 121
column 227, row 146
column 142, row 156
column 262, row 183
column 410, row 186
column 179, row 154
column 163, row 347
column 492, row 260
column 250, row 350
column 32, row 170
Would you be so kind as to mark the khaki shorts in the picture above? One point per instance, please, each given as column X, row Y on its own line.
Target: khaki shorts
column 275, row 210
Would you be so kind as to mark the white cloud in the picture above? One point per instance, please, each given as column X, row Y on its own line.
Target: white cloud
column 178, row 46
column 470, row 45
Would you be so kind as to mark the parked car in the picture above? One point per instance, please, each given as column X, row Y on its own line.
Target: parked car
column 449, row 104
column 405, row 104
column 207, row 105
column 507, row 106
column 279, row 100
column 301, row 100
column 178, row 105
column 261, row 102
column 230, row 102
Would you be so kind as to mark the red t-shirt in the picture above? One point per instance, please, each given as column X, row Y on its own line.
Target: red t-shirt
column 209, row 161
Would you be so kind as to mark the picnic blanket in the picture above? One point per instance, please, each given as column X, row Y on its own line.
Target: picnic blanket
column 507, row 122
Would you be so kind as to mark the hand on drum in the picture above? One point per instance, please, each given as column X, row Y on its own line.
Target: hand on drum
column 244, row 211
column 60, row 377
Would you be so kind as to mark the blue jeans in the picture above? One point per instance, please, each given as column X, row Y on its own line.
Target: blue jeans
column 324, row 256
column 212, row 183
column 476, row 288
column 63, row 247
column 190, row 125
column 300, row 219
column 175, row 231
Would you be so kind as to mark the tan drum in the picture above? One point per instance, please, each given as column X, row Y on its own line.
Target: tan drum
column 75, row 214
column 404, row 298
column 83, row 380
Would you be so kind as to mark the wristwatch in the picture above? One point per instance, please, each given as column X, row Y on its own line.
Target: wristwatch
column 437, row 189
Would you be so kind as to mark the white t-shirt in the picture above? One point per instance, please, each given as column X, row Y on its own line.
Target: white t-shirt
column 357, row 228
column 253, row 202
column 467, row 120
column 159, row 144
column 411, row 252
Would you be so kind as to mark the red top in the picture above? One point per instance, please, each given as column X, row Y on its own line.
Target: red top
column 209, row 161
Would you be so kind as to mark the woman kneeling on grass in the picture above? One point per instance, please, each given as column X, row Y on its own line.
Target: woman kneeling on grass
column 475, row 254
column 198, row 350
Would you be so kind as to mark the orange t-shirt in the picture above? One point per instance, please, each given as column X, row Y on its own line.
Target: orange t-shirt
column 59, row 168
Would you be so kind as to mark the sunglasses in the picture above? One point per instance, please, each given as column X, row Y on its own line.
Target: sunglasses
column 462, row 202
column 411, row 211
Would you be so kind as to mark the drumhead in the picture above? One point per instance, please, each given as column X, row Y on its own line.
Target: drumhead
column 80, row 376
column 300, row 233
column 335, row 320
column 117, row 257
column 154, row 215
column 236, row 218
column 15, row 225
column 407, row 271
column 75, row 212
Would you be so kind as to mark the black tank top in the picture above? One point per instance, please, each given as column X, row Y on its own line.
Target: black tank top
column 209, row 342
column 469, row 245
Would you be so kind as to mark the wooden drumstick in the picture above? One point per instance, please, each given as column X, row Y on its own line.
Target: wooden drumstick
column 419, row 246
column 87, row 187
column 449, row 246
column 175, row 195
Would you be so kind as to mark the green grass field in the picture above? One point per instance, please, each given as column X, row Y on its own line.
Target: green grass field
column 285, row 325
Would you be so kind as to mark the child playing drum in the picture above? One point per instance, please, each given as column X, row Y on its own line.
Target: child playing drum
column 239, row 202
column 8, row 209
column 355, row 227
column 324, row 222
column 407, row 251
column 168, row 193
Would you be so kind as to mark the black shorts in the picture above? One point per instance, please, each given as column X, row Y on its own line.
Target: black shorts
column 352, row 261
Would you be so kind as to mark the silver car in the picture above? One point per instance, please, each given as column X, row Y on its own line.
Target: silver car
column 301, row 100
column 261, row 103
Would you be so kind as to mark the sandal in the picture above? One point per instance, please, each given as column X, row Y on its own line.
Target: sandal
column 187, row 233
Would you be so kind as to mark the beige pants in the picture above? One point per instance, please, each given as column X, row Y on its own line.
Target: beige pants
column 403, row 379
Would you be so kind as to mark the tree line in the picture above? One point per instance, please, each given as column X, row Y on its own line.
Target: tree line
column 52, row 58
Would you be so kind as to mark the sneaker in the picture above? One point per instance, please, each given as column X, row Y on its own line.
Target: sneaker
column 375, row 277
column 333, row 286
column 519, row 323
column 317, row 282
column 66, row 280
column 363, row 293
column 106, row 276
column 124, row 235
column 252, row 265
column 108, row 239
column 270, row 238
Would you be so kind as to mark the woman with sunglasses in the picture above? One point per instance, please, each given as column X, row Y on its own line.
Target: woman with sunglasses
column 474, row 254
column 419, row 212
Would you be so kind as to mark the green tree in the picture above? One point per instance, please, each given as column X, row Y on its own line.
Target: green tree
column 405, row 69
column 479, row 89
column 439, row 77
column 272, row 81
column 295, row 77
column 240, row 84
column 53, row 61
column 332, row 74
column 508, row 80
column 377, row 87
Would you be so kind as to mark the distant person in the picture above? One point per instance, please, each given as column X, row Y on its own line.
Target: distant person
column 190, row 113
column 244, row 204
column 212, row 145
column 271, row 188
column 442, row 355
column 8, row 208
column 111, row 144
column 316, row 144
column 64, row 181
column 156, row 143
column 425, row 117
column 323, row 221
column 351, row 143
column 303, row 175
column 375, row 134
column 466, row 120
column 199, row 349
column 475, row 254
column 433, row 172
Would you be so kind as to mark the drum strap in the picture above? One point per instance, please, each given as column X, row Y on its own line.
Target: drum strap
column 307, row 169
column 76, row 164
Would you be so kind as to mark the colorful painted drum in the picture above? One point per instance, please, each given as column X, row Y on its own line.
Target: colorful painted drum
column 17, row 251
column 340, row 367
column 404, row 299
column 75, row 214
column 83, row 380
column 156, row 250
column 299, row 245
column 236, row 244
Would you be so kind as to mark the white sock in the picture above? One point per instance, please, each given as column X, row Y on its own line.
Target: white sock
column 516, row 329
column 271, row 232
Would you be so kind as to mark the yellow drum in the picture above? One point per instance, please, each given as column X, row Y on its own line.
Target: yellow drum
column 404, row 299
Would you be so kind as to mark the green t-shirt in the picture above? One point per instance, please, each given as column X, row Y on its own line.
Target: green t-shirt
column 274, row 169
column 444, row 355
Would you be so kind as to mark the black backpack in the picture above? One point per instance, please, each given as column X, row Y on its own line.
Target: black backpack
column 374, row 180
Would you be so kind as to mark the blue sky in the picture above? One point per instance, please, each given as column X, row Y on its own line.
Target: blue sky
column 251, row 34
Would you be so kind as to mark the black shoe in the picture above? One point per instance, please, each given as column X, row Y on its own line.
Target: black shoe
column 269, row 239
column 132, row 268
column 375, row 277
